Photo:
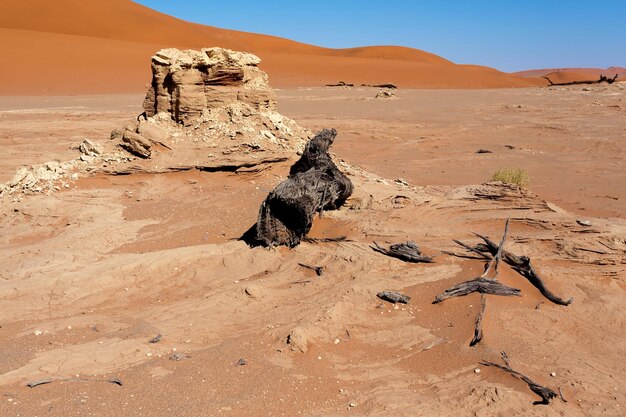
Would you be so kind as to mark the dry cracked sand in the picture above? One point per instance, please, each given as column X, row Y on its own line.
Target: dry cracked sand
column 90, row 273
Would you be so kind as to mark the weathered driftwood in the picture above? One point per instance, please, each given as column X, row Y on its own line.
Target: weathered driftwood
column 394, row 297
column 545, row 393
column 480, row 285
column 522, row 265
column 408, row 252
column 602, row 79
column 314, row 183
column 478, row 324
column 494, row 262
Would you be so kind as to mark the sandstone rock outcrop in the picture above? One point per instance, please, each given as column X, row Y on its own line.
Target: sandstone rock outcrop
column 208, row 110
column 187, row 83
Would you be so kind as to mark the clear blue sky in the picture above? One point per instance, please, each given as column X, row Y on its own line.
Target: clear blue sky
column 509, row 35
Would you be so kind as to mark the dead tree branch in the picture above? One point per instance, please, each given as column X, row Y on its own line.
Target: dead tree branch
column 602, row 79
column 481, row 285
column 522, row 265
column 545, row 393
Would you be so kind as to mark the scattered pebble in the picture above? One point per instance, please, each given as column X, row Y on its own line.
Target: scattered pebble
column 353, row 404
column 336, row 341
column 586, row 223
column 553, row 374
column 241, row 362
column 476, row 371
column 37, row 332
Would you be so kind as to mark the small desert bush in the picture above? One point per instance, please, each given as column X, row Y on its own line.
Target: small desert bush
column 515, row 176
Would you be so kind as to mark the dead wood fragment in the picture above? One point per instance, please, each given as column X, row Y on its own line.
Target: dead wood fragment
column 561, row 395
column 481, row 150
column 523, row 266
column 480, row 285
column 602, row 79
column 326, row 239
column 340, row 84
column 314, row 183
column 545, row 393
column 394, row 297
column 319, row 270
column 39, row 382
column 478, row 326
column 34, row 384
column 178, row 356
column 408, row 252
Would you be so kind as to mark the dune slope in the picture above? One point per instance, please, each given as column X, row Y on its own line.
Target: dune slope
column 77, row 47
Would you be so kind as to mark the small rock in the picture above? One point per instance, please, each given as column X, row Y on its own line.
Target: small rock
column 476, row 371
column 241, row 362
column 37, row 332
column 353, row 404
column 585, row 223
column 552, row 374
column 483, row 151
column 90, row 148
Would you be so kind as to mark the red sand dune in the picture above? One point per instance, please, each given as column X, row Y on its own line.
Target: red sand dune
column 573, row 74
column 79, row 46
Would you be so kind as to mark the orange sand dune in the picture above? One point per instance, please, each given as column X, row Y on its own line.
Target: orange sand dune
column 574, row 74
column 78, row 46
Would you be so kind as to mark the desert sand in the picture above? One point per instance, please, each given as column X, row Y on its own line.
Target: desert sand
column 125, row 287
column 92, row 272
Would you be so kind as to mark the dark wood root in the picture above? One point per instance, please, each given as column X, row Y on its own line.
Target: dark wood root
column 602, row 79
column 326, row 239
column 481, row 285
column 523, row 266
column 394, row 297
column 319, row 270
column 340, row 84
column 545, row 393
column 408, row 252
column 314, row 184
column 561, row 395
column 478, row 328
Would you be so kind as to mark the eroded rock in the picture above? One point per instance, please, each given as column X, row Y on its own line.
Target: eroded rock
column 186, row 83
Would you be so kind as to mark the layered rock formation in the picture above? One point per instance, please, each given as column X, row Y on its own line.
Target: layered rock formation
column 187, row 83
column 209, row 110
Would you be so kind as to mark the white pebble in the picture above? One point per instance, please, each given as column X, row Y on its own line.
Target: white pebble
column 319, row 357
column 476, row 371
column 37, row 332
column 552, row 373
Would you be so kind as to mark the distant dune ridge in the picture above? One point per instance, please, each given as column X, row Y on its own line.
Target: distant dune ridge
column 564, row 75
column 86, row 46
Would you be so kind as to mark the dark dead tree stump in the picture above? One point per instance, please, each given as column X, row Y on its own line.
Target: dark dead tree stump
column 314, row 184
column 545, row 393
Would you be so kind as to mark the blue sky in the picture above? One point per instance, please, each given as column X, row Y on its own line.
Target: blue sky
column 507, row 35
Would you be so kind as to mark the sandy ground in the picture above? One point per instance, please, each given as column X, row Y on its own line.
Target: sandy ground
column 90, row 274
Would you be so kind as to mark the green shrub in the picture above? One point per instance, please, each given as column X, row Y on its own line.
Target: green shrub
column 515, row 176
